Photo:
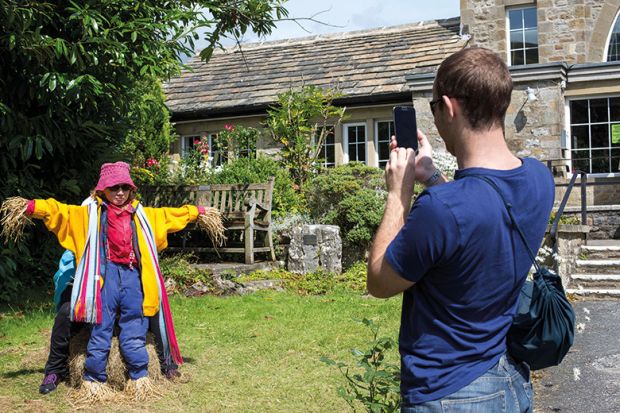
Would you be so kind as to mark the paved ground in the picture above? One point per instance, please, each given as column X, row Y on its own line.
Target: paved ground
column 588, row 380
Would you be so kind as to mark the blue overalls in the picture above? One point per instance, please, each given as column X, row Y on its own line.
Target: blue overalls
column 121, row 293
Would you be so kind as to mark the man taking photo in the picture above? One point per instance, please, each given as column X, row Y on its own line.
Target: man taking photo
column 455, row 254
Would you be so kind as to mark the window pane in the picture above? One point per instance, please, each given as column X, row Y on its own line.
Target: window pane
column 529, row 17
column 531, row 56
column 516, row 40
column 361, row 153
column 531, row 38
column 600, row 161
column 384, row 151
column 517, row 57
column 580, row 137
column 615, row 160
column 599, row 136
column 330, row 155
column 361, row 134
column 613, row 52
column 614, row 109
column 352, row 153
column 383, row 130
column 581, row 161
column 515, row 18
column 598, row 110
column 579, row 111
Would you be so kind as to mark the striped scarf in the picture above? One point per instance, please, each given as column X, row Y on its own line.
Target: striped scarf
column 86, row 292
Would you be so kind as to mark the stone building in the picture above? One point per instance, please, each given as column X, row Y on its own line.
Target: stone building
column 564, row 56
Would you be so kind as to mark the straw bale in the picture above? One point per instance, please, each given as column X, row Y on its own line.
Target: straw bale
column 117, row 371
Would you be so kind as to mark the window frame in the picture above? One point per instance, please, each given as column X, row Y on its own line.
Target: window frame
column 522, row 29
column 325, row 163
column 569, row 140
column 377, row 151
column 345, row 141
column 611, row 31
column 184, row 147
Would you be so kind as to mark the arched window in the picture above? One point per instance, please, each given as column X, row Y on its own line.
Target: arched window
column 613, row 51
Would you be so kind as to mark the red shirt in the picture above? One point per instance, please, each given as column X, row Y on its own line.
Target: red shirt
column 120, row 246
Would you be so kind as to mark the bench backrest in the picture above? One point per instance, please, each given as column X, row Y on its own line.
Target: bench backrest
column 228, row 198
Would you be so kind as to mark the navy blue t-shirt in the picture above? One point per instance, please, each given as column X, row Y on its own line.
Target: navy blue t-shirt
column 468, row 265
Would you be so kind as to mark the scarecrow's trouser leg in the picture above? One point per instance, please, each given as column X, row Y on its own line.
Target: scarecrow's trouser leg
column 101, row 334
column 133, row 324
column 59, row 341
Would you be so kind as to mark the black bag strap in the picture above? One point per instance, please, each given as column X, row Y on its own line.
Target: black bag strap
column 508, row 206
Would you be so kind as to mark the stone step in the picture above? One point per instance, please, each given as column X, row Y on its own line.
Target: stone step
column 598, row 266
column 601, row 251
column 594, row 292
column 596, row 281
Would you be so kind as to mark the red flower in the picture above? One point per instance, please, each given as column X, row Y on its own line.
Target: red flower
column 229, row 127
column 196, row 141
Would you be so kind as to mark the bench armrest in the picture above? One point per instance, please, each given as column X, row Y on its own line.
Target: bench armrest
column 252, row 203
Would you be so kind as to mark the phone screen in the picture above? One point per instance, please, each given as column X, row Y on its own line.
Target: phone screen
column 405, row 126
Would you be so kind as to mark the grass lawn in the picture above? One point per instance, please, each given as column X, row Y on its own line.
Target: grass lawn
column 253, row 353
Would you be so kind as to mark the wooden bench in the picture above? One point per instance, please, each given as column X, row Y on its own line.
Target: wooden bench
column 245, row 208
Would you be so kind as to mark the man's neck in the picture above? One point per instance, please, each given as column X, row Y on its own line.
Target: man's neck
column 484, row 149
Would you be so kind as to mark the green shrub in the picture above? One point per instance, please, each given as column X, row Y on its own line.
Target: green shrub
column 565, row 219
column 179, row 267
column 354, row 278
column 351, row 196
column 316, row 283
column 251, row 170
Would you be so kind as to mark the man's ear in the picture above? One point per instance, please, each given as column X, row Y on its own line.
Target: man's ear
column 451, row 106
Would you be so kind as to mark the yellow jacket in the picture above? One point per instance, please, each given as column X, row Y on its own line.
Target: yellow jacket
column 70, row 224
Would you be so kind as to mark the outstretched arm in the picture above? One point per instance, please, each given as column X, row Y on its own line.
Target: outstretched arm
column 168, row 220
column 67, row 222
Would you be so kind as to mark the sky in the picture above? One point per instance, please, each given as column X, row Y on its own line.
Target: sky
column 350, row 15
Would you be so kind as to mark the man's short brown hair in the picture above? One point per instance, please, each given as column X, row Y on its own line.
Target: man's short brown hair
column 481, row 79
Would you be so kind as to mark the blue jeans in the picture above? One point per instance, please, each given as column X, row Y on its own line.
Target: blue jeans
column 122, row 291
column 506, row 387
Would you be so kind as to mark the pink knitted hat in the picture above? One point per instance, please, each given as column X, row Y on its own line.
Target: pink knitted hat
column 111, row 174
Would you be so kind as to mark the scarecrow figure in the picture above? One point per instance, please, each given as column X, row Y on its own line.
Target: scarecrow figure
column 115, row 241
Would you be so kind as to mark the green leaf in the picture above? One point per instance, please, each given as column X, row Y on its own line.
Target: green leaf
column 134, row 36
column 327, row 361
column 51, row 85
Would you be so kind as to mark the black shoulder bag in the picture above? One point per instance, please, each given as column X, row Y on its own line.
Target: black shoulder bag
column 543, row 328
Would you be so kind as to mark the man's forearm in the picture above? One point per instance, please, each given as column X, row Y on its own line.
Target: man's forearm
column 382, row 281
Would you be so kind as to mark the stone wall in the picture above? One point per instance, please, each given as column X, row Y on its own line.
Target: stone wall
column 569, row 240
column 562, row 30
column 604, row 221
column 485, row 21
column 534, row 128
column 566, row 28
column 599, row 191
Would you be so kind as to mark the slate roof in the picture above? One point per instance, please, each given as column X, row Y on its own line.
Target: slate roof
column 367, row 66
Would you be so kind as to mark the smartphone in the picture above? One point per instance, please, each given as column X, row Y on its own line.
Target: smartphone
column 405, row 126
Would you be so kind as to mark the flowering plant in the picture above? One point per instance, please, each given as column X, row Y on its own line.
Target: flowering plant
column 194, row 165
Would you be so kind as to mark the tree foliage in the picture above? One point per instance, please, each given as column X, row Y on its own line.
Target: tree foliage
column 299, row 122
column 72, row 82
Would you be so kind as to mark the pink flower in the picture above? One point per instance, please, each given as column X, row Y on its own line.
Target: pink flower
column 152, row 162
column 229, row 127
column 196, row 141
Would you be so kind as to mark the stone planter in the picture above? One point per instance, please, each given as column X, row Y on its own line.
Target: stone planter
column 315, row 247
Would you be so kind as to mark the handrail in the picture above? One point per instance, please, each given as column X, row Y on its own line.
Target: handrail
column 558, row 215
